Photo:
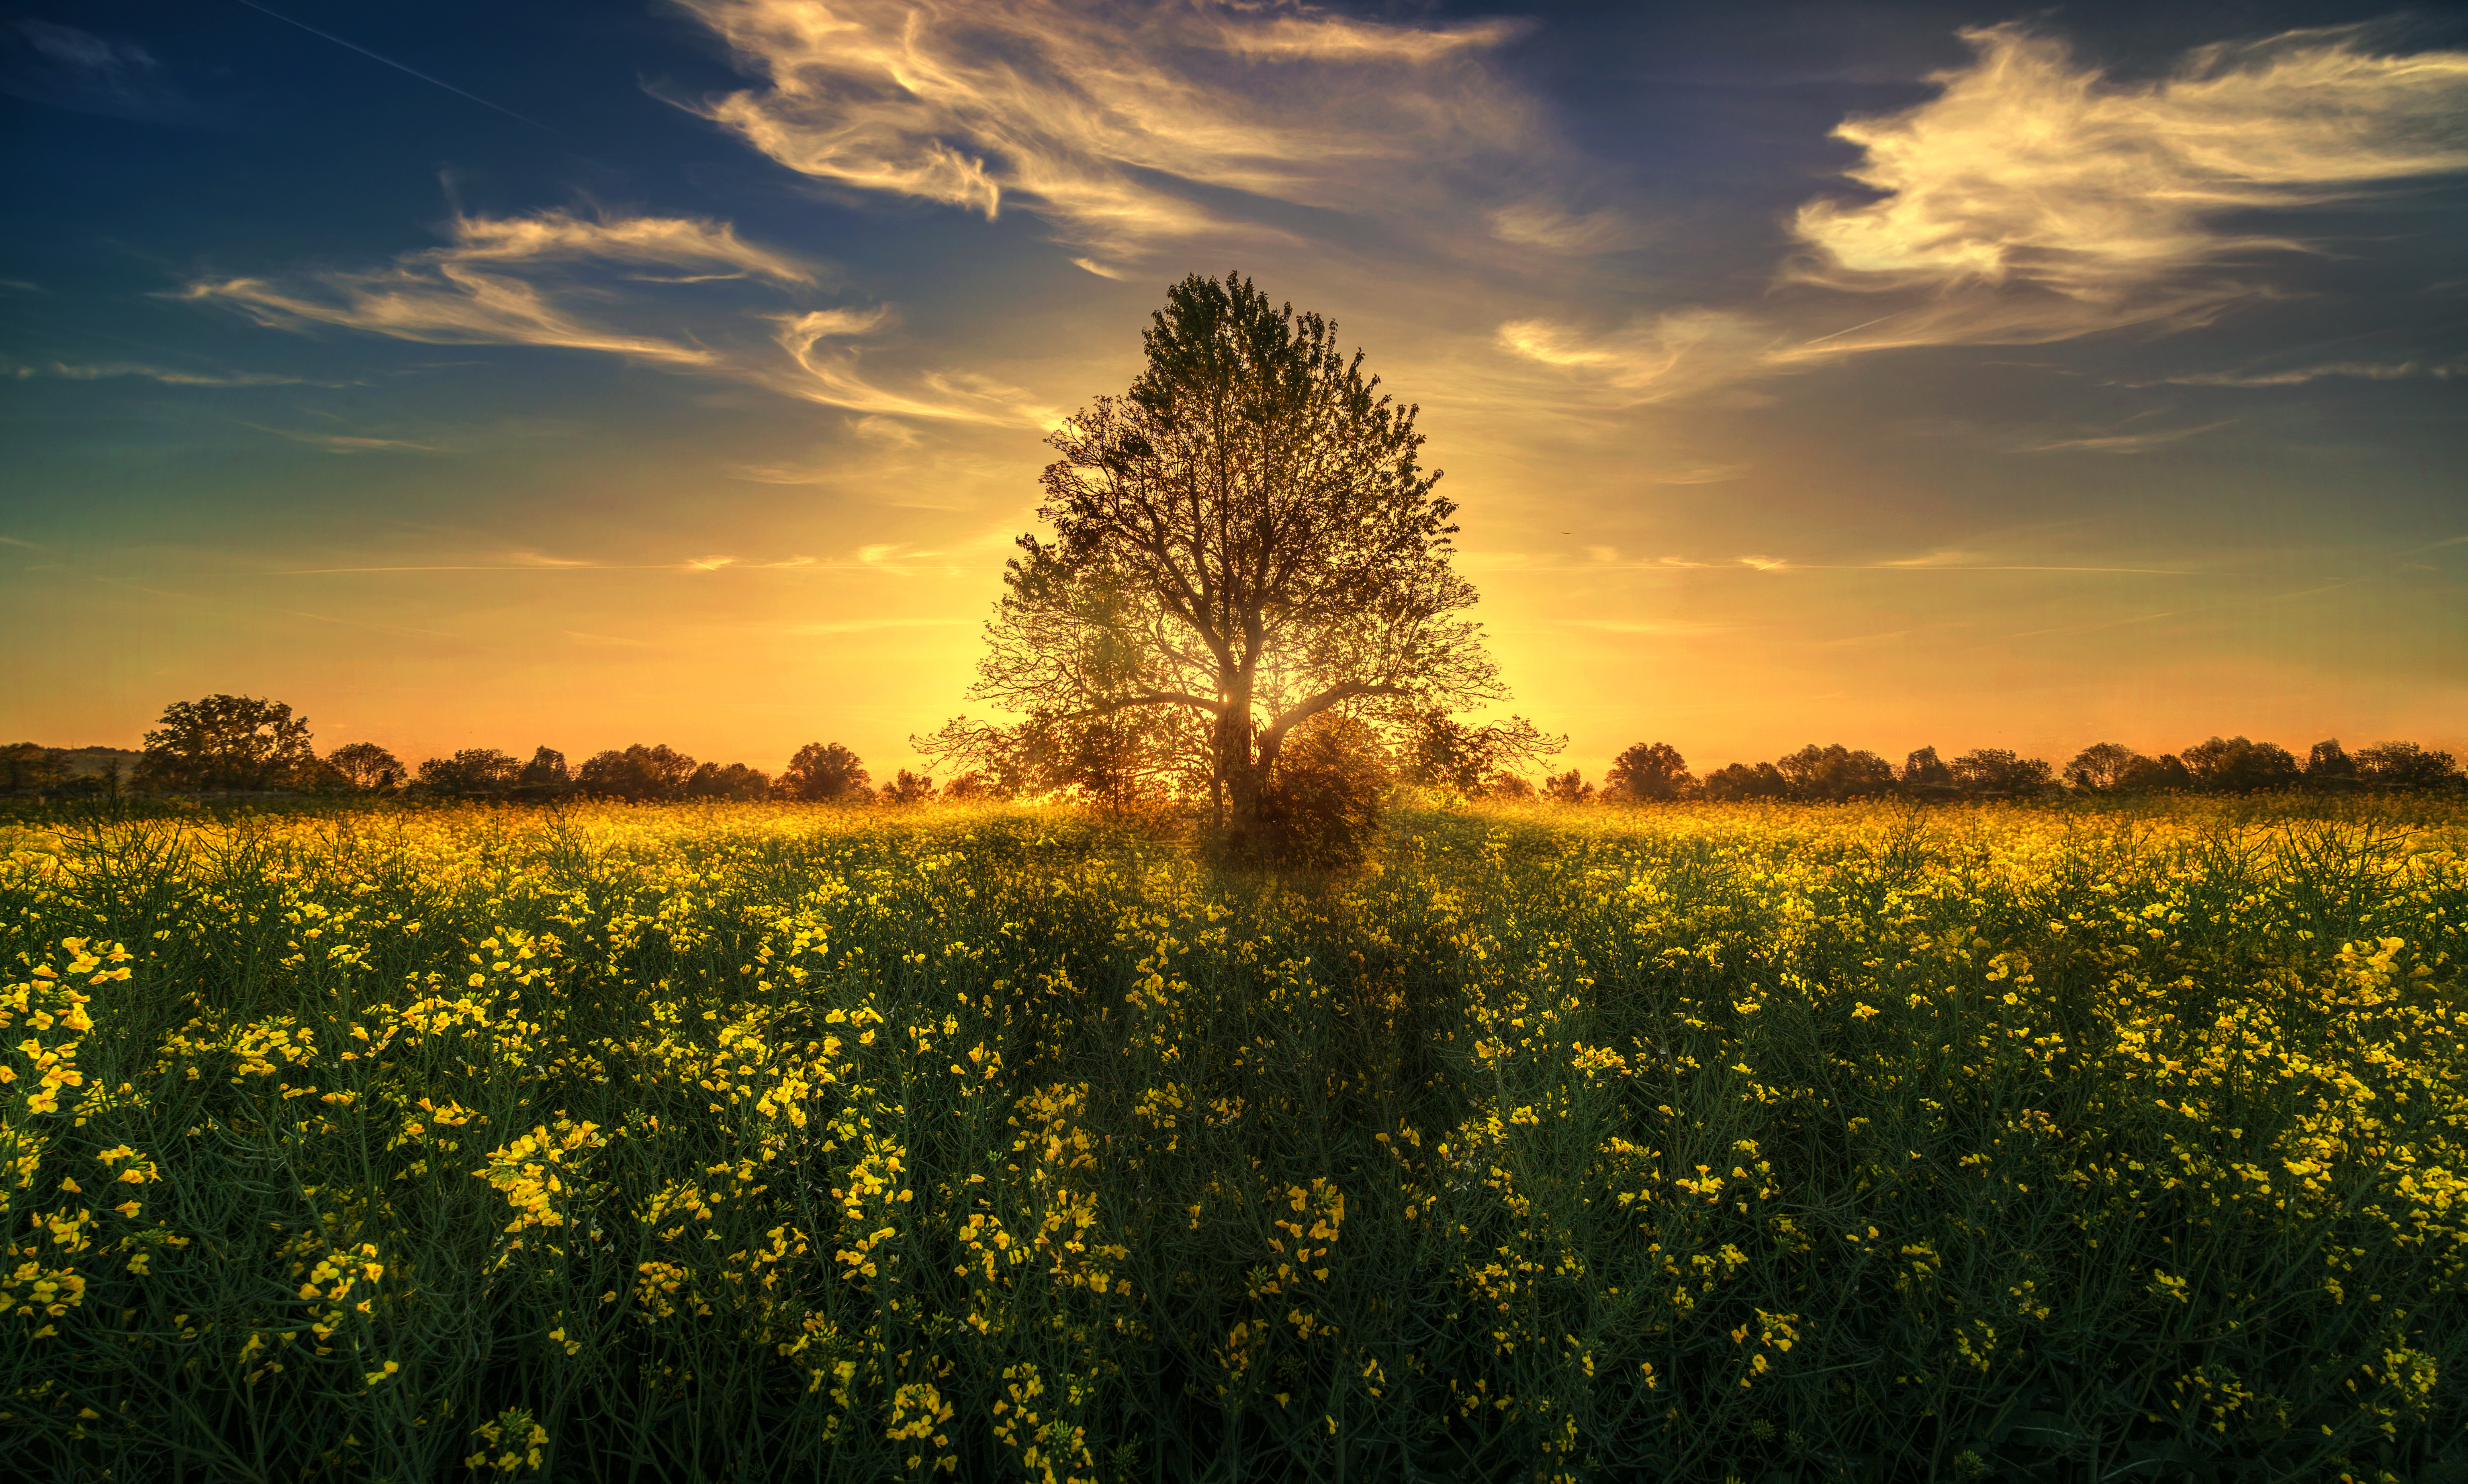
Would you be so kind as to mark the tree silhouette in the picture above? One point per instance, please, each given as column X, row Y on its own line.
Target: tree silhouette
column 1923, row 768
column 1648, row 771
column 1569, row 787
column 2105, row 766
column 471, row 774
column 227, row 741
column 1739, row 781
column 2234, row 764
column 639, row 773
column 1246, row 537
column 366, row 768
column 1833, row 771
column 26, row 768
column 907, row 788
column 2403, row 765
column 1999, row 770
column 736, row 780
column 545, row 775
column 824, row 774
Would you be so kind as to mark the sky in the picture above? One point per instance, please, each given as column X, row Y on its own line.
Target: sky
column 679, row 371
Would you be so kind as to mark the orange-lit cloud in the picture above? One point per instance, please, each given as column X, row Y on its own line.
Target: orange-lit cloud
column 1099, row 119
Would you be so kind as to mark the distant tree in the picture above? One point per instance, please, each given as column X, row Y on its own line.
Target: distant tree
column 1834, row 772
column 1569, row 787
column 825, row 773
column 2103, row 766
column 1327, row 792
column 1999, row 770
column 907, row 788
column 1444, row 753
column 2165, row 773
column 2233, row 764
column 28, row 767
column 471, row 774
column 736, row 780
column 1923, row 768
column 545, row 776
column 365, row 767
column 639, row 774
column 1738, row 781
column 1647, row 773
column 227, row 741
column 1507, row 786
column 2404, row 765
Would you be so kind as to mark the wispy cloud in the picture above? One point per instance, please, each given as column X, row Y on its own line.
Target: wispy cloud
column 2051, row 201
column 528, row 280
column 338, row 443
column 66, row 67
column 1667, row 357
column 170, row 376
column 2363, row 371
column 496, row 283
column 2118, row 443
column 1103, row 119
column 2035, row 200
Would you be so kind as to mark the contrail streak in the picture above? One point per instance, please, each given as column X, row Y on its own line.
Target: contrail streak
column 397, row 66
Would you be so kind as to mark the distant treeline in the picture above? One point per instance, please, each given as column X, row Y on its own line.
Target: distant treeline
column 1654, row 771
column 238, row 744
column 245, row 745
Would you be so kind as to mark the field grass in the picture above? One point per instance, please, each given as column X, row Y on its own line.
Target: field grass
column 1766, row 1143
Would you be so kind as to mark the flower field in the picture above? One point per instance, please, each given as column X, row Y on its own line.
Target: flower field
column 1726, row 1142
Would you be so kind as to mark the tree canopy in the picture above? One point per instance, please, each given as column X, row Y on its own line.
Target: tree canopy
column 227, row 741
column 1244, row 540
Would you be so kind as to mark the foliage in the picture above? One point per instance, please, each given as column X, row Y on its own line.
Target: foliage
column 28, row 768
column 365, row 767
column 1441, row 752
column 1737, row 782
column 1833, row 773
column 1569, row 787
column 736, row 780
column 1327, row 795
column 639, row 774
column 227, row 741
column 760, row 1142
column 907, row 788
column 1648, row 773
column 2235, row 763
column 471, row 774
column 1999, row 770
column 1923, row 768
column 825, row 773
column 1244, row 540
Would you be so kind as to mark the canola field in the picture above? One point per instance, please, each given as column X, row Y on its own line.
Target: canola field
column 1715, row 1143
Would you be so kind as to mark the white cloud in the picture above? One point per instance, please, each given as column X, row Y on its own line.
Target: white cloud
column 1100, row 118
column 2052, row 201
column 2363, row 371
column 2035, row 200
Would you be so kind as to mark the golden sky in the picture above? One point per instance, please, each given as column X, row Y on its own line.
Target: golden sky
column 1892, row 376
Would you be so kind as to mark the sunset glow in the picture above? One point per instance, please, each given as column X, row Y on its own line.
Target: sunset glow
column 678, row 372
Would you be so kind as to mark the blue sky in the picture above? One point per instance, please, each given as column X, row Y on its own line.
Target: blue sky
column 585, row 374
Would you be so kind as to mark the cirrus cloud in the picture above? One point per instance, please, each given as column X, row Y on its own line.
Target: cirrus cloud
column 1111, row 121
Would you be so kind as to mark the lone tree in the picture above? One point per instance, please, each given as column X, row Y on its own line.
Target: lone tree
column 227, row 741
column 1246, row 537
